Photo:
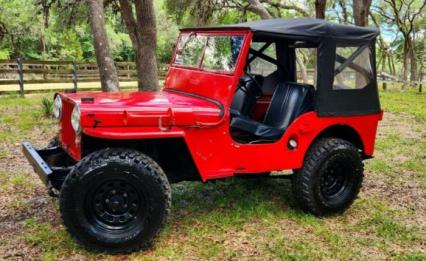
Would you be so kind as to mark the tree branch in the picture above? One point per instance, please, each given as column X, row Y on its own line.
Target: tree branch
column 127, row 14
column 256, row 7
column 287, row 7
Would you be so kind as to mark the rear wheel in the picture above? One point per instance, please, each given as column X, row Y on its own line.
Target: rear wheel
column 115, row 200
column 330, row 178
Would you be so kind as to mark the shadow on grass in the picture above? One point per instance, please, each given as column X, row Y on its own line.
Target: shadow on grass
column 232, row 201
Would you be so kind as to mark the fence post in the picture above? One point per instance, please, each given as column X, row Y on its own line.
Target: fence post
column 20, row 76
column 384, row 86
column 421, row 87
column 74, row 75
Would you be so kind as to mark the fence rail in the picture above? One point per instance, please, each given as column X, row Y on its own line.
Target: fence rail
column 22, row 72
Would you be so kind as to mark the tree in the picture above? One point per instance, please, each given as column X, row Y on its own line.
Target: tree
column 320, row 6
column 384, row 52
column 45, row 6
column 107, row 71
column 203, row 12
column 256, row 7
column 403, row 13
column 143, row 34
column 361, row 9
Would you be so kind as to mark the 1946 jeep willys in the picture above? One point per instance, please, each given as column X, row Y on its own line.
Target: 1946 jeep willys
column 232, row 104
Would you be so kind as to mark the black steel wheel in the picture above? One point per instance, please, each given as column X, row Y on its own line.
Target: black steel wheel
column 115, row 203
column 330, row 178
column 115, row 200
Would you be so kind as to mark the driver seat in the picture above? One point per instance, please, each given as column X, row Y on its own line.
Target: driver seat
column 289, row 100
column 246, row 96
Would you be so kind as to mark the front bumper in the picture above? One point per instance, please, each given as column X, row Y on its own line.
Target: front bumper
column 51, row 164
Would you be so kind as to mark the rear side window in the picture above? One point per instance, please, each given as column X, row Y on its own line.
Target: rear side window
column 352, row 67
column 306, row 65
column 259, row 65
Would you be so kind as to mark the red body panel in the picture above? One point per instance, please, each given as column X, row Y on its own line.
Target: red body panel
column 200, row 115
column 258, row 158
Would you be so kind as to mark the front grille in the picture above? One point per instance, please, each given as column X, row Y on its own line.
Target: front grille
column 67, row 133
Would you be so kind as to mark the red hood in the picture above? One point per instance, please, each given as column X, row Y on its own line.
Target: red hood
column 164, row 108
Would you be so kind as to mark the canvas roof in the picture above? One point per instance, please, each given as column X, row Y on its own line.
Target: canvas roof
column 307, row 27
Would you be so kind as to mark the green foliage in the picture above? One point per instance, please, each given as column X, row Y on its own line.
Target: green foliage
column 47, row 106
column 4, row 54
column 68, row 35
column 167, row 32
column 21, row 23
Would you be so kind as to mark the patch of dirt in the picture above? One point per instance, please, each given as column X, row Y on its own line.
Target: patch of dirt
column 401, row 190
column 402, row 124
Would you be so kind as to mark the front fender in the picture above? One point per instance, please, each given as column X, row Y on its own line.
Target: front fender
column 127, row 133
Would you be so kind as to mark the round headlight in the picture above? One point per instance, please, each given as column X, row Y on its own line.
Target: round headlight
column 57, row 107
column 75, row 119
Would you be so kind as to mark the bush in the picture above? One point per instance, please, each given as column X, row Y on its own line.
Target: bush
column 47, row 106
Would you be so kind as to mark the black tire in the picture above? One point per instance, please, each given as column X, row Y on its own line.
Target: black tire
column 330, row 179
column 115, row 200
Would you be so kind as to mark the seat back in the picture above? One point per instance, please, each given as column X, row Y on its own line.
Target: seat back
column 245, row 98
column 288, row 102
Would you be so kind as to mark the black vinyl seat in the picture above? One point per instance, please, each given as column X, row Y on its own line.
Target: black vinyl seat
column 288, row 102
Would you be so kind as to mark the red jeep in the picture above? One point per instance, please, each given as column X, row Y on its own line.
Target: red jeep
column 232, row 104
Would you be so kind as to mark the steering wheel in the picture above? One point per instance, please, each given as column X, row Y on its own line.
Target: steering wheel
column 244, row 88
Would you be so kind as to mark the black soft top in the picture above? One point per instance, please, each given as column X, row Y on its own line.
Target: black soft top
column 306, row 27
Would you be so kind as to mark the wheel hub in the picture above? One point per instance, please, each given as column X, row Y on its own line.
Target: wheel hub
column 333, row 181
column 116, row 203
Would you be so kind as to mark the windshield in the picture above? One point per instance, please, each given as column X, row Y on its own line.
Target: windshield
column 213, row 53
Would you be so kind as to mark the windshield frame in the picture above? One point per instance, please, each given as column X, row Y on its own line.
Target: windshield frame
column 208, row 34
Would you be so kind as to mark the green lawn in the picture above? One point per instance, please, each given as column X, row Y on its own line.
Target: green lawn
column 236, row 219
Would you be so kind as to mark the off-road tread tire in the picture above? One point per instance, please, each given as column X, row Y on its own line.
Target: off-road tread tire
column 89, row 163
column 303, row 180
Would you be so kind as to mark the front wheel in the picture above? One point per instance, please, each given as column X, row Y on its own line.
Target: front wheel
column 115, row 200
column 330, row 178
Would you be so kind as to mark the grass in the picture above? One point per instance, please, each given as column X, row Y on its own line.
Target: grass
column 235, row 218
column 47, row 106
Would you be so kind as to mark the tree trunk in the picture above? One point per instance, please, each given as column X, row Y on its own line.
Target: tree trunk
column 361, row 11
column 107, row 70
column 392, row 65
column 147, row 44
column 405, row 59
column 302, row 68
column 43, row 47
column 320, row 6
column 143, row 34
column 256, row 7
column 413, row 59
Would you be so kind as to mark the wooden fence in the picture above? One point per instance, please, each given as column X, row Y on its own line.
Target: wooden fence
column 21, row 72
